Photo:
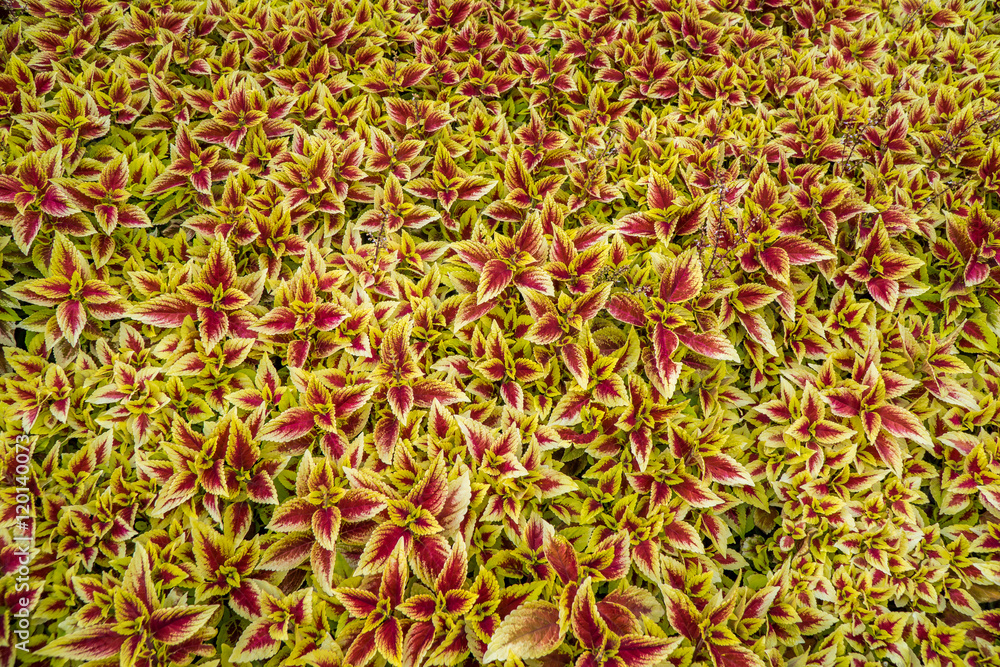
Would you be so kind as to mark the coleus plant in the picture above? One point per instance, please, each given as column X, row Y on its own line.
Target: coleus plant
column 75, row 293
column 141, row 630
column 580, row 333
column 30, row 198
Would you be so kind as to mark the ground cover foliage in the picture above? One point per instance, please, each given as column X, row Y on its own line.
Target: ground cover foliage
column 593, row 332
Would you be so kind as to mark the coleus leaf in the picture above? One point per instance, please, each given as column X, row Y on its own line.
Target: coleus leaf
column 533, row 630
column 682, row 280
column 92, row 643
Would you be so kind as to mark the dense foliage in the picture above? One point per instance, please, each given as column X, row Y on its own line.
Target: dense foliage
column 599, row 332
